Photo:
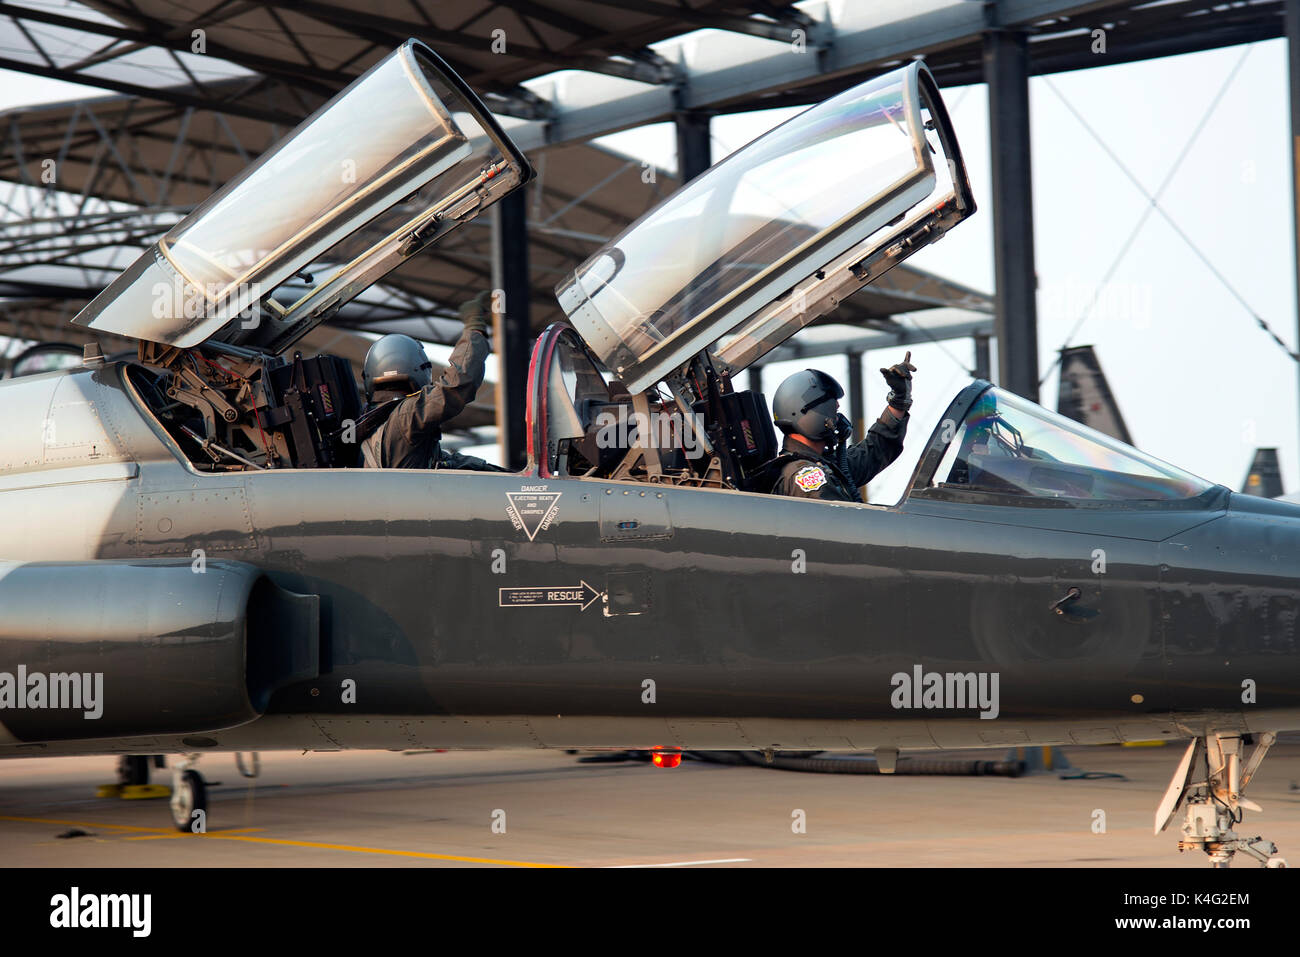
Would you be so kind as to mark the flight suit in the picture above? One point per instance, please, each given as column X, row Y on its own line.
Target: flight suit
column 405, row 432
column 805, row 474
column 459, row 460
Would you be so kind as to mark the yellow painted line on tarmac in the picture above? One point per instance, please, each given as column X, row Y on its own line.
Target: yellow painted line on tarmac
column 175, row 833
column 227, row 836
column 376, row 850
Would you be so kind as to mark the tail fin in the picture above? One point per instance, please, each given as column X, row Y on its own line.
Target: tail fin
column 1085, row 394
column 1265, row 476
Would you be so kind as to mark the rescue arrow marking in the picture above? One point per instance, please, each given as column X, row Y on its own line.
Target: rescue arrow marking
column 556, row 596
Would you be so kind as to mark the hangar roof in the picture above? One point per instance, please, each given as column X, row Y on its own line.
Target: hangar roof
column 576, row 69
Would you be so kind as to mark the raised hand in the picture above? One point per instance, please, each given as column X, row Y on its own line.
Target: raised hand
column 899, row 379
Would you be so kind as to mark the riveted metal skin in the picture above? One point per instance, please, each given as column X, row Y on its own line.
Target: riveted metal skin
column 693, row 588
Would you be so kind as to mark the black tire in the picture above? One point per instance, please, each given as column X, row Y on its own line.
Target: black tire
column 191, row 796
column 133, row 769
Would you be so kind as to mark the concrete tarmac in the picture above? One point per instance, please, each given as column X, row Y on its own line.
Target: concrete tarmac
column 540, row 808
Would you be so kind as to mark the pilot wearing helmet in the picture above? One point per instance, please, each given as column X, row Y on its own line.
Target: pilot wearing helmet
column 402, row 425
column 815, row 461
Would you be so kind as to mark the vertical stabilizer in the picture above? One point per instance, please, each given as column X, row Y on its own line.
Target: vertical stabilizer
column 1085, row 394
column 1265, row 476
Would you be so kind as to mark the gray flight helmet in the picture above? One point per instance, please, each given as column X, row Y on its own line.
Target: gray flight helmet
column 396, row 363
column 807, row 403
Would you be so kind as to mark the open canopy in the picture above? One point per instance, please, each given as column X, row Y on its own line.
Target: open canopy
column 402, row 156
column 776, row 234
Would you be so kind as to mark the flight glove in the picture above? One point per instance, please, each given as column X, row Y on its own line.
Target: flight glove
column 899, row 379
column 476, row 313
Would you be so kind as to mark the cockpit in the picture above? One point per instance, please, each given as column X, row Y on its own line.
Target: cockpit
column 662, row 318
column 727, row 268
column 402, row 157
column 1006, row 449
column 991, row 446
column 637, row 386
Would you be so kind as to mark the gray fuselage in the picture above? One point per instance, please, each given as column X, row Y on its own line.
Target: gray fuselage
column 472, row 610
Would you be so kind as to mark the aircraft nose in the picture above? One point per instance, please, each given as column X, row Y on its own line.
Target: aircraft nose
column 1260, row 541
column 1229, row 598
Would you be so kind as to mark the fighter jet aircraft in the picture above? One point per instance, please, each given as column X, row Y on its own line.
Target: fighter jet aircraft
column 193, row 563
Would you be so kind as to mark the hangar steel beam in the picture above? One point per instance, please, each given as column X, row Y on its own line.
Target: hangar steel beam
column 323, row 82
column 857, row 395
column 958, row 327
column 1293, row 75
column 694, row 151
column 727, row 69
column 181, row 96
column 730, row 66
column 1006, row 69
column 510, row 276
column 784, row 20
column 983, row 365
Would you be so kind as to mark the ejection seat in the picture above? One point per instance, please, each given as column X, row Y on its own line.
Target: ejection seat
column 579, row 425
column 566, row 394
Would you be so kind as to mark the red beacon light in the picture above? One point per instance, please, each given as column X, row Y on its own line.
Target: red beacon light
column 665, row 759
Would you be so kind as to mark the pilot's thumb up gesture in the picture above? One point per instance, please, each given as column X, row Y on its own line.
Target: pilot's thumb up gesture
column 477, row 313
column 899, row 379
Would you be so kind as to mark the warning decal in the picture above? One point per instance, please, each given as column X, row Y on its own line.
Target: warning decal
column 532, row 509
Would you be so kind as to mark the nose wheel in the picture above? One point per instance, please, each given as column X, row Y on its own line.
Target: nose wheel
column 1215, row 802
column 189, row 803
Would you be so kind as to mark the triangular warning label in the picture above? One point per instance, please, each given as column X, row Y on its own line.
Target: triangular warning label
column 532, row 512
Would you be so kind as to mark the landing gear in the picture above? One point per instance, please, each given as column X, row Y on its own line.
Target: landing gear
column 133, row 779
column 189, row 802
column 1215, row 802
column 132, row 770
column 250, row 770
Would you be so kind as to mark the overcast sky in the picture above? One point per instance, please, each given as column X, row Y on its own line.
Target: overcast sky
column 1199, row 383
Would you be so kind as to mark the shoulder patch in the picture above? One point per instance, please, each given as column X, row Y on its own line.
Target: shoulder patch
column 810, row 478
